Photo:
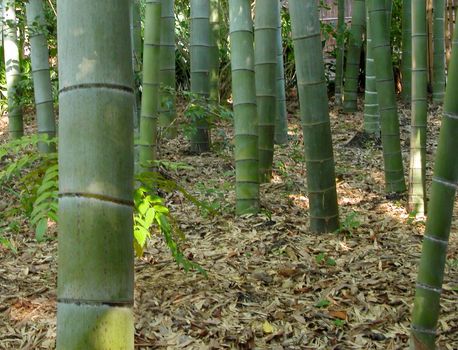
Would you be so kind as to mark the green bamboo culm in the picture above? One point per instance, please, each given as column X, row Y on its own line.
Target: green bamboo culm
column 150, row 93
column 340, row 50
column 167, row 106
column 200, row 49
column 389, row 12
column 214, row 51
column 389, row 121
column 406, row 58
column 36, row 24
column 12, row 69
column 440, row 211
column 371, row 110
column 136, row 35
column 353, row 56
column 95, row 250
column 438, row 81
column 417, row 171
column 245, row 111
column 265, row 58
column 311, row 84
column 281, row 119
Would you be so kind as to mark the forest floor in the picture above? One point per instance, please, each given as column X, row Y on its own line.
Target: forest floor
column 271, row 283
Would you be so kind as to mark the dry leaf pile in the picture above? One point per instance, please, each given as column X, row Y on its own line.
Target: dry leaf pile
column 271, row 284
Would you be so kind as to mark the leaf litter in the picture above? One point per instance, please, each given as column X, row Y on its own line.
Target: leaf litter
column 271, row 283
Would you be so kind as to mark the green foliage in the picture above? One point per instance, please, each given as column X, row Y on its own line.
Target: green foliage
column 323, row 303
column 349, row 223
column 321, row 259
column 37, row 173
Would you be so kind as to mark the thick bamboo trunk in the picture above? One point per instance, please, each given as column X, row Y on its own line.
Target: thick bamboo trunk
column 353, row 56
column 406, row 59
column 438, row 83
column 392, row 157
column 245, row 115
column 12, row 69
column 150, row 94
column 440, row 211
column 40, row 72
column 265, row 57
column 311, row 84
column 95, row 250
column 340, row 50
column 281, row 119
column 371, row 111
column 417, row 171
column 167, row 106
column 214, row 51
column 200, row 49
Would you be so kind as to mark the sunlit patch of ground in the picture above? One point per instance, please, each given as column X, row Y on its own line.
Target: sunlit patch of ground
column 272, row 284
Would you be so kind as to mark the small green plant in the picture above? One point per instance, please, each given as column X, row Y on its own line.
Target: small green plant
column 323, row 303
column 321, row 259
column 339, row 322
column 349, row 224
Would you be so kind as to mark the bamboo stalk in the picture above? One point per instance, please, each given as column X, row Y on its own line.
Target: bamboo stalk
column 438, row 84
column 371, row 110
column 214, row 55
column 150, row 94
column 167, row 106
column 440, row 212
column 95, row 260
column 200, row 51
column 12, row 69
column 406, row 60
column 281, row 119
column 265, row 56
column 40, row 72
column 311, row 84
column 354, row 56
column 392, row 157
column 245, row 115
column 340, row 50
column 417, row 172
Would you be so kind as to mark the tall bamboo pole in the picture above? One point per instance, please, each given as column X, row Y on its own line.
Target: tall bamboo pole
column 245, row 115
column 340, row 50
column 281, row 119
column 167, row 106
column 440, row 211
column 40, row 71
column 214, row 51
column 406, row 59
column 150, row 95
column 12, row 69
column 95, row 249
column 135, row 30
column 417, row 172
column 438, row 83
column 371, row 110
column 265, row 57
column 200, row 48
column 354, row 56
column 392, row 157
column 311, row 83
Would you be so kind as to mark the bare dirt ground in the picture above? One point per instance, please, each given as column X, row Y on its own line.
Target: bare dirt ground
column 271, row 283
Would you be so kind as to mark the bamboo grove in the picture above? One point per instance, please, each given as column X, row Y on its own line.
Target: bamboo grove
column 119, row 98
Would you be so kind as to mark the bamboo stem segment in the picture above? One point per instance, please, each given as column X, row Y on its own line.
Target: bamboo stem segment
column 340, row 50
column 417, row 171
column 440, row 211
column 438, row 83
column 406, row 59
column 40, row 71
column 392, row 157
column 311, row 84
column 245, row 111
column 12, row 69
column 95, row 248
column 265, row 56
